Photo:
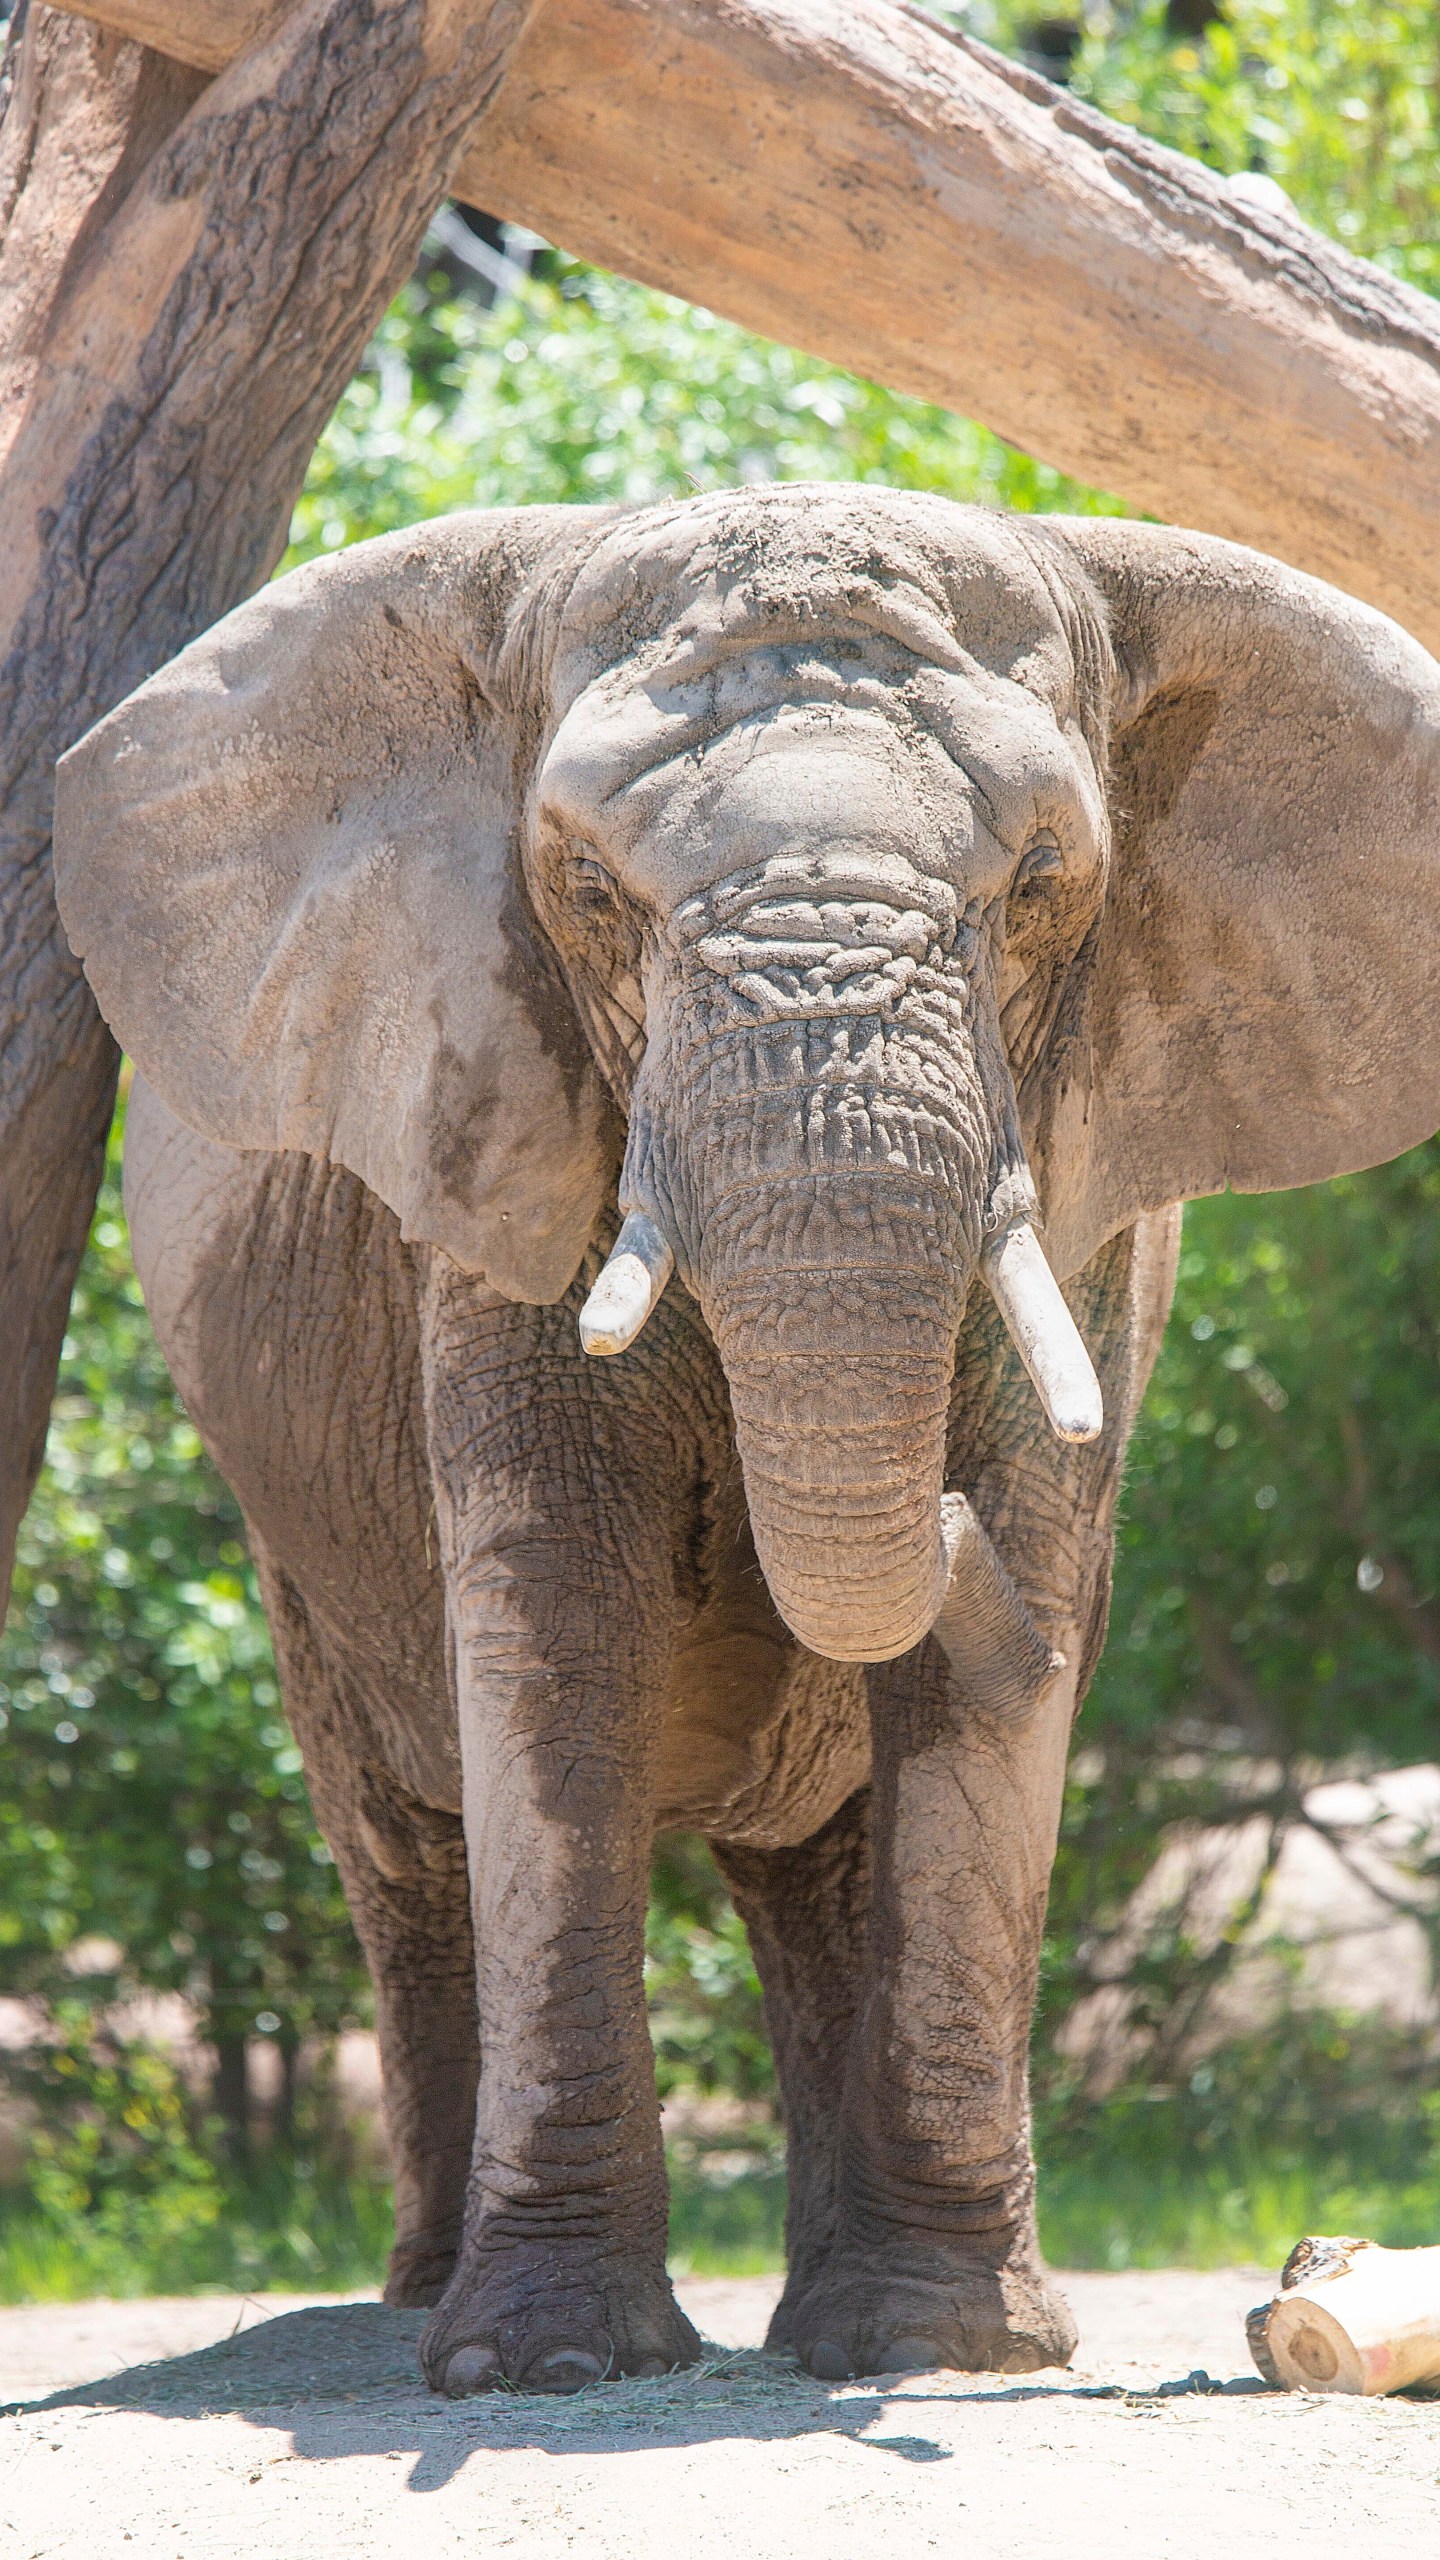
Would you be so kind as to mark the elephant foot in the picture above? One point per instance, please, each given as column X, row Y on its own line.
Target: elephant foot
column 878, row 2312
column 538, row 2317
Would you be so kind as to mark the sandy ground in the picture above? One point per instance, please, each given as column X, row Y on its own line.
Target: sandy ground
column 284, row 2430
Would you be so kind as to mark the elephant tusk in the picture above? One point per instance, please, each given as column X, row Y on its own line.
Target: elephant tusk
column 1043, row 1330
column 994, row 1647
column 629, row 1288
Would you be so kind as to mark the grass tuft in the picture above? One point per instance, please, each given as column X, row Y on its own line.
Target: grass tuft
column 1134, row 2185
column 288, row 2226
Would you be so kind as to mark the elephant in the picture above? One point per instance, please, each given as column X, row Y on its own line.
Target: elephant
column 668, row 1044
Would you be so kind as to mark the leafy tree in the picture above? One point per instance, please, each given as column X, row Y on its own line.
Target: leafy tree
column 1338, row 104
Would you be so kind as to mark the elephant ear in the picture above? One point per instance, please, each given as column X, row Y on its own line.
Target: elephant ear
column 290, row 863
column 1259, row 1003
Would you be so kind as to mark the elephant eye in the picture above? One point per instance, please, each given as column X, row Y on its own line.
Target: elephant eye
column 591, row 888
column 1041, row 860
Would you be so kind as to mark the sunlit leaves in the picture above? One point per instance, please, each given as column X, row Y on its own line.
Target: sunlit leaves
column 1337, row 103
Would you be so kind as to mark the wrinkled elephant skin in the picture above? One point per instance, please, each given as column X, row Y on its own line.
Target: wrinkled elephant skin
column 889, row 910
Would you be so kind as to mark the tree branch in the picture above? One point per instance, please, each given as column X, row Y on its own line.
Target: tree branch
column 893, row 197
column 188, row 277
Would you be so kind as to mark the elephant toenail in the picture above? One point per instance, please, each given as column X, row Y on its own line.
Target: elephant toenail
column 650, row 2369
column 828, row 2362
column 470, row 2369
column 910, row 2355
column 569, row 2369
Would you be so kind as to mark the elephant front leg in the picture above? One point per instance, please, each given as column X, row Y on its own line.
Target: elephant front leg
column 561, row 2275
column 936, row 2260
column 560, row 1575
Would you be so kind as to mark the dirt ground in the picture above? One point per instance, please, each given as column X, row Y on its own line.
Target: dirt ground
column 289, row 2430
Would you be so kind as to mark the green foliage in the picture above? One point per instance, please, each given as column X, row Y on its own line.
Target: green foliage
column 588, row 388
column 1282, row 1524
column 1338, row 103
column 286, row 2224
column 704, row 1996
column 1278, row 1557
column 1276, row 2135
column 726, row 2222
column 113, row 2154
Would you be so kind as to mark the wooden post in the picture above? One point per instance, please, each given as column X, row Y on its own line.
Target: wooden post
column 1352, row 2317
column 866, row 185
column 188, row 277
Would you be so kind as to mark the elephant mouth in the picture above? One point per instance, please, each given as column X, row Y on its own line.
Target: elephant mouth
column 1012, row 1263
column 977, row 1614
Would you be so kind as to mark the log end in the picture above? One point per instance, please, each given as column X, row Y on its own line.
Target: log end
column 1351, row 2317
column 1309, row 2349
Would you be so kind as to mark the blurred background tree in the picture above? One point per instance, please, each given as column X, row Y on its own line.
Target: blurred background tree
column 1335, row 103
column 1277, row 1609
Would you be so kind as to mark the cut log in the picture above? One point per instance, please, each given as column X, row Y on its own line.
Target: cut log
column 1352, row 2317
column 870, row 187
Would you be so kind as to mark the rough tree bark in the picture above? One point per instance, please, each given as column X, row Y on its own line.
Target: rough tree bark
column 864, row 184
column 189, row 272
column 82, row 113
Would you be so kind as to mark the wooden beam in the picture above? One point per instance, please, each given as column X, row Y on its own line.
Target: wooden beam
column 206, row 34
column 879, row 192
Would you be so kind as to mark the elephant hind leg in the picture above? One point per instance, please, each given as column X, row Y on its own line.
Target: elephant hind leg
column 402, row 1866
column 807, row 1911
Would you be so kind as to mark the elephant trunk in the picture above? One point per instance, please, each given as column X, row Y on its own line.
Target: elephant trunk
column 827, row 1180
column 840, row 1418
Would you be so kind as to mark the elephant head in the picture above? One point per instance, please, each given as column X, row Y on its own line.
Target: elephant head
column 875, row 884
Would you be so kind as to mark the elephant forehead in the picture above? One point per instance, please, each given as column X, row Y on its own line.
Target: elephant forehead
column 674, row 593
column 782, row 785
column 876, row 772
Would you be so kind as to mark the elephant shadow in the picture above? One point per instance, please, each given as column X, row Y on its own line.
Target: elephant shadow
column 343, row 2380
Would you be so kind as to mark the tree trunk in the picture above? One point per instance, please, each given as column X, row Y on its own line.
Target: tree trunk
column 82, row 113
column 230, row 2095
column 870, row 186
column 282, row 2122
column 189, row 272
